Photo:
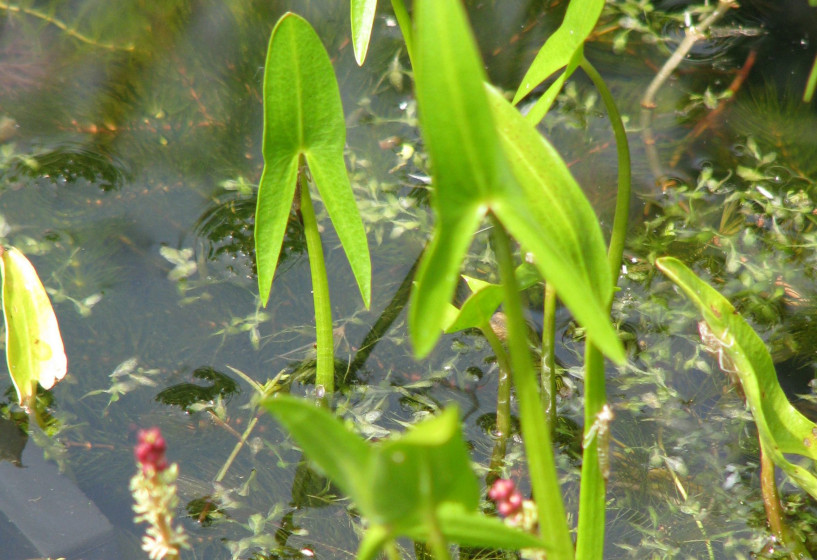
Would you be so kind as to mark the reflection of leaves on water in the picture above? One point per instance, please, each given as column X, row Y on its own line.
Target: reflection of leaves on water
column 72, row 163
column 12, row 441
column 186, row 395
column 227, row 227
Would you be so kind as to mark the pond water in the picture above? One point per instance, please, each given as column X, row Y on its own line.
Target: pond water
column 131, row 136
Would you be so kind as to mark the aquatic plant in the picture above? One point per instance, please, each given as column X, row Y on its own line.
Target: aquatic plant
column 154, row 493
column 488, row 161
column 303, row 125
column 34, row 348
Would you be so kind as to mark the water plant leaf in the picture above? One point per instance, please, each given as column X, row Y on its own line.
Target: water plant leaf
column 474, row 529
column 566, row 44
column 416, row 472
column 472, row 177
column 340, row 453
column 303, row 117
column 485, row 298
column 403, row 483
column 34, row 348
column 362, row 20
column 781, row 427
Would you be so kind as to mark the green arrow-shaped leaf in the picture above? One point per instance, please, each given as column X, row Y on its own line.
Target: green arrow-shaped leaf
column 303, row 117
column 478, row 168
column 34, row 349
column 781, row 427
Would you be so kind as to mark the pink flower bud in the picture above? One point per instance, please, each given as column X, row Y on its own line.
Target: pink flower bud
column 150, row 451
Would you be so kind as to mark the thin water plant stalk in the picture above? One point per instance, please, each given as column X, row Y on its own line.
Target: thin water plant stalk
column 325, row 345
column 648, row 105
column 592, row 502
column 535, row 433
column 549, row 355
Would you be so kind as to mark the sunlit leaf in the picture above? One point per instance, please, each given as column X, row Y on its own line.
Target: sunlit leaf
column 340, row 453
column 485, row 298
column 414, row 473
column 303, row 116
column 781, row 427
column 561, row 47
column 474, row 529
column 34, row 349
column 362, row 20
column 473, row 176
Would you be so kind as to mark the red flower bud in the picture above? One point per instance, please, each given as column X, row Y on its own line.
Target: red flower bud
column 150, row 451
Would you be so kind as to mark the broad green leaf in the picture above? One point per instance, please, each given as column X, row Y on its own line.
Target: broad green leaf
column 473, row 177
column 34, row 349
column 416, row 472
column 561, row 47
column 362, row 20
column 781, row 427
column 552, row 219
column 470, row 528
column 303, row 116
column 485, row 298
column 340, row 453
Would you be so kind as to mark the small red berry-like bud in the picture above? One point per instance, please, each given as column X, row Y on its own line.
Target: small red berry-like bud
column 150, row 451
column 507, row 498
column 501, row 489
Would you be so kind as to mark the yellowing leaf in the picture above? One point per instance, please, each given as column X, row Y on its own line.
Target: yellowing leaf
column 34, row 349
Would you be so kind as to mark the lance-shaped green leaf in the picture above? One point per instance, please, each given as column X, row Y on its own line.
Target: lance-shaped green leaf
column 34, row 349
column 580, row 19
column 781, row 427
column 362, row 20
column 473, row 176
column 303, row 116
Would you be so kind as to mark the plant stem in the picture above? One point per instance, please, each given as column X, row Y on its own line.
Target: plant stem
column 549, row 356
column 503, row 399
column 590, row 539
column 774, row 513
column 404, row 21
column 693, row 35
column 325, row 366
column 547, row 492
column 590, row 533
column 618, row 236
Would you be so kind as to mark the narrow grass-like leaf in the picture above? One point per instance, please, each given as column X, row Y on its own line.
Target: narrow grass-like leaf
column 340, row 453
column 362, row 20
column 34, row 349
column 781, row 427
column 303, row 116
column 580, row 19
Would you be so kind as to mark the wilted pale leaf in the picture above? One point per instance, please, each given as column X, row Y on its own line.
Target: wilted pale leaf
column 34, row 349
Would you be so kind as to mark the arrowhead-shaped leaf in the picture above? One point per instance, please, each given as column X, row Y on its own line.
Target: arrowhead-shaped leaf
column 564, row 45
column 303, row 116
column 34, row 349
column 478, row 167
column 781, row 427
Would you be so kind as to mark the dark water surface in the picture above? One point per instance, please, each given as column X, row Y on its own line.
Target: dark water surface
column 129, row 157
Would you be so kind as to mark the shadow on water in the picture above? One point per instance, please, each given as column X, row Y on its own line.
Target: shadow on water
column 129, row 151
